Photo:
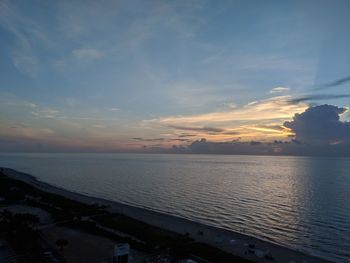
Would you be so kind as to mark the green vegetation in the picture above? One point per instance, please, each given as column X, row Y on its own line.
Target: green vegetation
column 91, row 228
column 213, row 254
column 61, row 243
column 180, row 246
column 19, row 232
column 150, row 234
column 59, row 207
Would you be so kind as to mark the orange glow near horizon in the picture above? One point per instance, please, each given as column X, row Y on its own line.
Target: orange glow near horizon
column 257, row 121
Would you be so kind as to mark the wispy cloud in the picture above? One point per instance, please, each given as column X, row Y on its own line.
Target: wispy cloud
column 87, row 54
column 259, row 119
column 186, row 135
column 271, row 128
column 280, row 107
column 25, row 62
column 279, row 90
column 9, row 100
column 149, row 140
column 45, row 113
column 25, row 104
column 202, row 129
column 113, row 109
column 22, row 53
column 317, row 97
column 333, row 83
column 62, row 117
column 27, row 132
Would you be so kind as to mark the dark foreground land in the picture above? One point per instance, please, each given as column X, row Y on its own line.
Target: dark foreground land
column 42, row 223
column 31, row 240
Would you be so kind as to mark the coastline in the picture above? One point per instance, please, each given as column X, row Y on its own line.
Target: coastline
column 213, row 236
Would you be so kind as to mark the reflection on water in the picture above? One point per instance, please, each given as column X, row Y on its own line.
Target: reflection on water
column 299, row 202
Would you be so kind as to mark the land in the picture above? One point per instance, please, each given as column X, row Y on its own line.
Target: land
column 35, row 216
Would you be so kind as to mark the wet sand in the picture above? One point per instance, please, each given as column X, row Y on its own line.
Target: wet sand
column 229, row 241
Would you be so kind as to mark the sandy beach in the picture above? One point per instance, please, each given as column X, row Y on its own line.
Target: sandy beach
column 236, row 243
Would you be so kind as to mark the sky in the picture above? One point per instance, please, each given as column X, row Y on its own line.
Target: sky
column 114, row 76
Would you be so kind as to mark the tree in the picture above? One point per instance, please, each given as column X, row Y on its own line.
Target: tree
column 61, row 243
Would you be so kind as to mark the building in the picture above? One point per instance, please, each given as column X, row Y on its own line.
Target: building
column 121, row 253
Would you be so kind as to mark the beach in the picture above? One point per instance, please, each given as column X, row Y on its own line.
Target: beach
column 238, row 244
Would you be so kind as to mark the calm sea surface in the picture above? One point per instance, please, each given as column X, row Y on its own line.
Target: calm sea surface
column 299, row 202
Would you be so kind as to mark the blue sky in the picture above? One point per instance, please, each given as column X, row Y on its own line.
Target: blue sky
column 98, row 74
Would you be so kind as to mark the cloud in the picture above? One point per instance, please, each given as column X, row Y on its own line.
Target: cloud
column 234, row 147
column 27, row 132
column 87, row 54
column 260, row 119
column 71, row 102
column 320, row 125
column 160, row 141
column 275, row 108
column 45, row 113
column 279, row 90
column 293, row 148
column 319, row 97
column 149, row 140
column 11, row 100
column 99, row 126
column 22, row 51
column 61, row 117
column 187, row 135
column 202, row 129
column 113, row 109
column 48, row 113
column 25, row 62
column 230, row 105
column 268, row 128
column 334, row 83
column 24, row 104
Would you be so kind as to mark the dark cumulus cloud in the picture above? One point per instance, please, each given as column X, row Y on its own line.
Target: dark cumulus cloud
column 320, row 125
column 293, row 148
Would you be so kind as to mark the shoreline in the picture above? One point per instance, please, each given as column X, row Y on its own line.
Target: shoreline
column 213, row 236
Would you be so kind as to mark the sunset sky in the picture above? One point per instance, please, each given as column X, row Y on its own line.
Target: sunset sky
column 130, row 75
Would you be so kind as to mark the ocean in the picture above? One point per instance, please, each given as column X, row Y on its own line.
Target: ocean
column 299, row 202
